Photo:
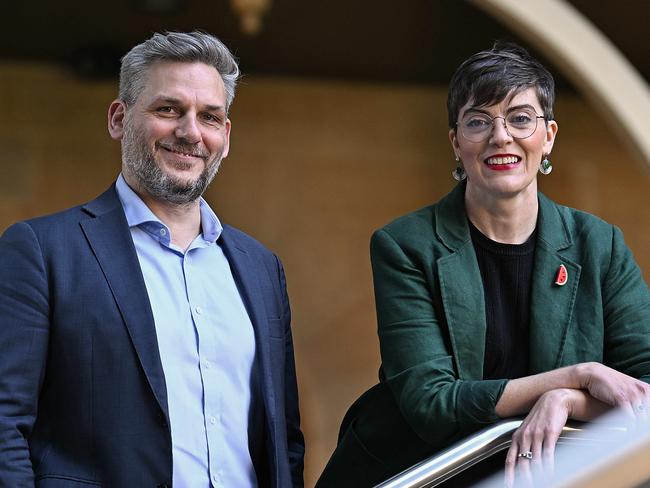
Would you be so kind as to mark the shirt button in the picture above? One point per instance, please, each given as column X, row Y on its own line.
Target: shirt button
column 207, row 365
column 213, row 420
column 198, row 310
column 215, row 478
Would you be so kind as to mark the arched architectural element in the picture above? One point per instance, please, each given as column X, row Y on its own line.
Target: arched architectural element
column 587, row 58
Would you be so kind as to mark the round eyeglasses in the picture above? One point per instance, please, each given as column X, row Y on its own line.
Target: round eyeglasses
column 520, row 124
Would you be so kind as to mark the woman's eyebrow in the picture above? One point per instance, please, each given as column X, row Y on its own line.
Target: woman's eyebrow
column 519, row 107
column 477, row 110
column 508, row 110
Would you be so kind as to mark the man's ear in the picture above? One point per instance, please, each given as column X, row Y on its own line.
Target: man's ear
column 116, row 114
column 226, row 146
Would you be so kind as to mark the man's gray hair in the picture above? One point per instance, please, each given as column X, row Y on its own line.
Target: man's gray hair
column 176, row 46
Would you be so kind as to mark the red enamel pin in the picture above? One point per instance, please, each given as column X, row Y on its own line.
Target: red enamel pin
column 562, row 276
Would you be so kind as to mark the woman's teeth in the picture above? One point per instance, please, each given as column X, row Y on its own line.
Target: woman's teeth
column 500, row 160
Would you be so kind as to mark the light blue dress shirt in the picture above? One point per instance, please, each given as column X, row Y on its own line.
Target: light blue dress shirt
column 207, row 348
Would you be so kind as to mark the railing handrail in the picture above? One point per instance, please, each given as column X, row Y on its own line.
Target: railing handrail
column 466, row 453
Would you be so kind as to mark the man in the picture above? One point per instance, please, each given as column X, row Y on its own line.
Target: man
column 142, row 344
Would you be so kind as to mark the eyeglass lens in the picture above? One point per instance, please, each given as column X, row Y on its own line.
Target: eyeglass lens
column 520, row 124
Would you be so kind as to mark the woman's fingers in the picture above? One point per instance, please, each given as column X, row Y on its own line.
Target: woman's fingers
column 615, row 388
column 548, row 458
column 511, row 462
column 518, row 468
column 531, row 455
column 642, row 411
column 524, row 471
column 538, row 450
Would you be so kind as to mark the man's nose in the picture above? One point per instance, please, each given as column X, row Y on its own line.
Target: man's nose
column 188, row 129
column 500, row 134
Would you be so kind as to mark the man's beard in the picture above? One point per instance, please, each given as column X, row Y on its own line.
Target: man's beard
column 140, row 163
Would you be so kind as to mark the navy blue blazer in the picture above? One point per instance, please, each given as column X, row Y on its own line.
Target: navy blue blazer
column 82, row 391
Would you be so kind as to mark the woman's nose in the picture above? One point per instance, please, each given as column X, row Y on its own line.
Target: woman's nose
column 500, row 134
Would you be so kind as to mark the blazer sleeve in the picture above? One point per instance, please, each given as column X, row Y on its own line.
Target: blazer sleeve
column 295, row 439
column 417, row 361
column 626, row 313
column 24, row 333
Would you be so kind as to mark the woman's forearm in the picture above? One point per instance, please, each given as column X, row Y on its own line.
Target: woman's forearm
column 604, row 384
column 521, row 394
column 584, row 407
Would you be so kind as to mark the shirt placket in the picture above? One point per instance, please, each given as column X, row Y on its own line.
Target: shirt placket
column 207, row 347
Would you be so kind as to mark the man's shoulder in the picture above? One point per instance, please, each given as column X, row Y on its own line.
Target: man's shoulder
column 62, row 222
column 61, row 217
column 244, row 241
column 48, row 227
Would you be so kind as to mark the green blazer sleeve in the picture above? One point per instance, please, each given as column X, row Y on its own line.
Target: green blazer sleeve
column 417, row 359
column 626, row 313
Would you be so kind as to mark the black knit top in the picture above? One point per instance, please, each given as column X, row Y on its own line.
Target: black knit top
column 506, row 271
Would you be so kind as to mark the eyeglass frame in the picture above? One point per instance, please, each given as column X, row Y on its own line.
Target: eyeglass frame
column 505, row 126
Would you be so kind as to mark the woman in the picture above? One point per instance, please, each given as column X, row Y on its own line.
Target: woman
column 496, row 302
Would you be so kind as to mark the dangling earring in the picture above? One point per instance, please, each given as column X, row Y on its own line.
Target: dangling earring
column 545, row 167
column 459, row 172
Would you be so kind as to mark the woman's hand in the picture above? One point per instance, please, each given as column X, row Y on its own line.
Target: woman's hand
column 614, row 388
column 538, row 435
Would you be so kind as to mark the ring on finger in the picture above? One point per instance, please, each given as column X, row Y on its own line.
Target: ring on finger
column 525, row 455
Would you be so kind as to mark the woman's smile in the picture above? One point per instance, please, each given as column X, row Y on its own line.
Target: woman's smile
column 502, row 162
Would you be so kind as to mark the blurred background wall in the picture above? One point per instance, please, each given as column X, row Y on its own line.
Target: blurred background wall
column 339, row 126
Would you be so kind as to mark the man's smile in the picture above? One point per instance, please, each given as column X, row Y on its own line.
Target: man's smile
column 182, row 151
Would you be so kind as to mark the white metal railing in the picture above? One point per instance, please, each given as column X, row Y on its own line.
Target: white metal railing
column 468, row 452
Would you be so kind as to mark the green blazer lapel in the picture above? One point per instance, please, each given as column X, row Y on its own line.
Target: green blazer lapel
column 461, row 286
column 551, row 304
column 464, row 304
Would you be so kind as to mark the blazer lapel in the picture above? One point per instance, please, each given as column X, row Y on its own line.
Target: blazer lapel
column 247, row 276
column 110, row 239
column 461, row 286
column 464, row 303
column 551, row 304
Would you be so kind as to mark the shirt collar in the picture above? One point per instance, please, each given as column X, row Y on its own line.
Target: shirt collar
column 139, row 215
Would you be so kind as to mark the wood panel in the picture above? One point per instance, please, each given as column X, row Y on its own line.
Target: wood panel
column 314, row 168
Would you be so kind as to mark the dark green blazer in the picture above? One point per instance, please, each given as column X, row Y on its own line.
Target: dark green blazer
column 431, row 319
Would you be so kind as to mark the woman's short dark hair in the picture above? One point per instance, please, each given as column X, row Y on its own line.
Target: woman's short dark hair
column 489, row 76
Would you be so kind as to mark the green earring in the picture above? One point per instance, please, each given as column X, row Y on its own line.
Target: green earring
column 459, row 172
column 545, row 167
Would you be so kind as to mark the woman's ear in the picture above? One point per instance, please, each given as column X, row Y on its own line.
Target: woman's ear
column 116, row 114
column 551, row 132
column 454, row 141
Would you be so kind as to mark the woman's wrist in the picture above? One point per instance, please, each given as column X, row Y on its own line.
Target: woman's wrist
column 582, row 406
column 563, row 397
column 573, row 400
column 581, row 374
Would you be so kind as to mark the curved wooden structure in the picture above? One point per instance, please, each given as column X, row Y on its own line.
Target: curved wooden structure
column 587, row 58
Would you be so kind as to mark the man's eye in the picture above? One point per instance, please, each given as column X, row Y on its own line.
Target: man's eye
column 214, row 119
column 165, row 110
